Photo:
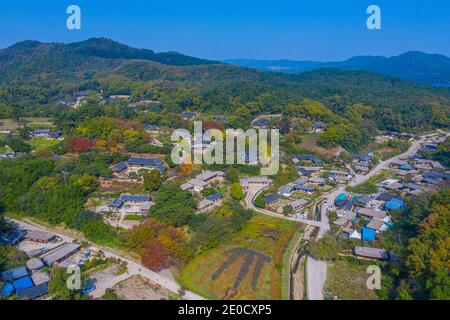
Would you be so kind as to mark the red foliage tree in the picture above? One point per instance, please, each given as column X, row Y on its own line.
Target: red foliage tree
column 79, row 145
column 154, row 256
column 211, row 124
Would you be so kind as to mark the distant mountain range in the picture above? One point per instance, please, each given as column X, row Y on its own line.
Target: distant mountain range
column 414, row 65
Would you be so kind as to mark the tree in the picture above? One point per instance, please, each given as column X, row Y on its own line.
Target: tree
column 87, row 183
column 212, row 124
column 259, row 201
column 208, row 191
column 152, row 180
column 232, row 175
column 6, row 112
column 79, row 145
column 110, row 294
column 236, row 191
column 287, row 209
column 18, row 145
column 154, row 256
column 173, row 206
column 58, row 289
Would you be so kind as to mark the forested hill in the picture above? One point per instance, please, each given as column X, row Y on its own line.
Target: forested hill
column 35, row 76
column 34, row 56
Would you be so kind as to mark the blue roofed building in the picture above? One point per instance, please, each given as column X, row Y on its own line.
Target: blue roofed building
column 22, row 283
column 144, row 162
column 260, row 123
column 14, row 274
column 135, row 164
column 121, row 166
column 367, row 234
column 13, row 237
column 214, row 197
column 363, row 200
column 132, row 203
column 41, row 133
column 430, row 147
column 307, row 158
column 361, row 157
column 33, row 292
column 270, row 199
column 188, row 115
column 305, row 189
column 405, row 167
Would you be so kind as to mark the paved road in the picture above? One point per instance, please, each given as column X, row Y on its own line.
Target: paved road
column 253, row 193
column 133, row 267
column 317, row 270
column 317, row 276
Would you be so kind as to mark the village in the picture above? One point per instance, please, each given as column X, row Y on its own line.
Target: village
column 353, row 193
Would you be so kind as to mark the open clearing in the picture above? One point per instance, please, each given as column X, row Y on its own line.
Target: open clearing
column 42, row 144
column 246, row 266
column 309, row 142
column 140, row 288
column 347, row 280
column 9, row 124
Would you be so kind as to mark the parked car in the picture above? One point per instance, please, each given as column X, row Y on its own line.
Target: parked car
column 89, row 288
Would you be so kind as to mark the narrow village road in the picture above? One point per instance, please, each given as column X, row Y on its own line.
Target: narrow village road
column 255, row 191
column 134, row 268
column 317, row 270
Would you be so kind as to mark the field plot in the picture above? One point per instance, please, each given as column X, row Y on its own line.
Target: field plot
column 247, row 266
column 139, row 288
column 309, row 142
column 42, row 144
column 347, row 280
column 32, row 123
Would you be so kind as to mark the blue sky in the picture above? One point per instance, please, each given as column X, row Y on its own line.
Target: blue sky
column 220, row 29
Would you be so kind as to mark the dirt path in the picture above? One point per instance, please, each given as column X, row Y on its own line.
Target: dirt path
column 298, row 269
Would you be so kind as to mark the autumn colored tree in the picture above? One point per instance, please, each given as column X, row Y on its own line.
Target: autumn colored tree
column 185, row 168
column 79, row 145
column 211, row 124
column 154, row 256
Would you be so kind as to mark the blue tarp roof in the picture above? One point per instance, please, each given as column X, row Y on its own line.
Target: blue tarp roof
column 23, row 283
column 341, row 197
column 14, row 274
column 394, row 204
column 367, row 234
column 7, row 290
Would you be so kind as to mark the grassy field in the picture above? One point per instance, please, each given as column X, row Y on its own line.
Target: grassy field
column 40, row 144
column 309, row 142
column 370, row 185
column 250, row 262
column 347, row 279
